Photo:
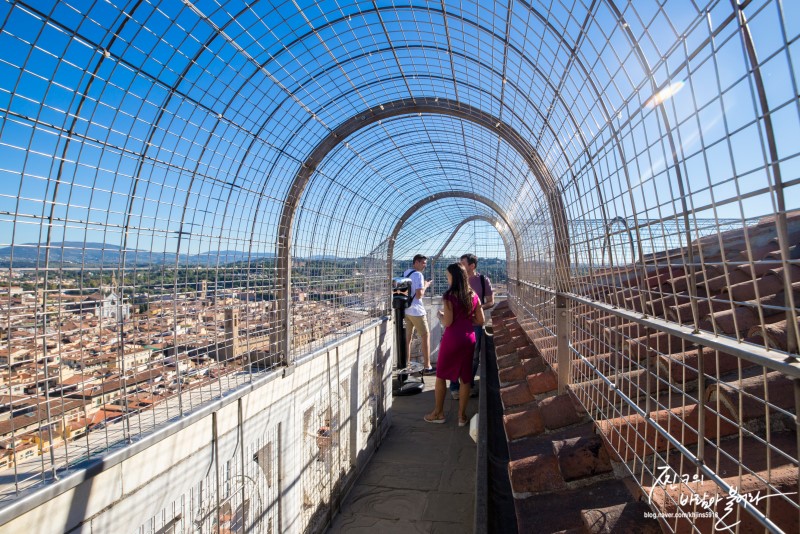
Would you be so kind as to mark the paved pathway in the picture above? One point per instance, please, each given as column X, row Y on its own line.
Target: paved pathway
column 421, row 479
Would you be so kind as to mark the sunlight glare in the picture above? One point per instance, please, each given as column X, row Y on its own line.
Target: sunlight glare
column 665, row 94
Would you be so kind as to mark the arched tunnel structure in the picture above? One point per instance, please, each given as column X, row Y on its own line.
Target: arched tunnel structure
column 202, row 203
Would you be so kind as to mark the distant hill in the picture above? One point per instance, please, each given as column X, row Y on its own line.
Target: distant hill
column 78, row 253
column 226, row 256
column 322, row 257
column 75, row 254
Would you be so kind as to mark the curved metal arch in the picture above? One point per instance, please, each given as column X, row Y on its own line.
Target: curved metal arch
column 486, row 218
column 545, row 22
column 452, row 194
column 436, row 106
column 506, row 167
column 792, row 334
column 284, row 260
column 668, row 135
column 491, row 220
column 607, row 239
column 573, row 53
column 332, row 185
column 425, row 173
column 441, row 11
column 534, row 66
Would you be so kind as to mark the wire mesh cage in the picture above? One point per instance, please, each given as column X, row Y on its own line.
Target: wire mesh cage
column 232, row 497
column 196, row 194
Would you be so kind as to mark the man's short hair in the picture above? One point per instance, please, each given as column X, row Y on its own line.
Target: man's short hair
column 420, row 257
column 472, row 259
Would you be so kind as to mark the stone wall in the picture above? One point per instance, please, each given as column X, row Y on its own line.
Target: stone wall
column 307, row 431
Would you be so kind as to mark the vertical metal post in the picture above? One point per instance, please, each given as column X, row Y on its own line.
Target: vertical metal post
column 701, row 405
column 126, row 421
column 51, row 446
column 481, row 517
column 329, row 460
column 563, row 323
column 433, row 276
column 400, row 342
column 240, row 421
column 797, row 428
column 285, row 296
column 215, row 443
column 280, row 477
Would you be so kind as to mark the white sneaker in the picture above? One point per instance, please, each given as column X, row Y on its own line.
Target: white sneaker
column 454, row 394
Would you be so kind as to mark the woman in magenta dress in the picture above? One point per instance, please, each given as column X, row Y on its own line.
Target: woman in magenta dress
column 461, row 311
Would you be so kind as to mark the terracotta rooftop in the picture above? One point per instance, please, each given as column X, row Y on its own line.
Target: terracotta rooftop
column 560, row 472
column 558, row 451
column 38, row 414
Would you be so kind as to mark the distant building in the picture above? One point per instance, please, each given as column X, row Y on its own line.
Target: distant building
column 13, row 355
column 12, row 291
column 33, row 417
column 133, row 358
column 231, row 334
column 96, row 395
column 104, row 304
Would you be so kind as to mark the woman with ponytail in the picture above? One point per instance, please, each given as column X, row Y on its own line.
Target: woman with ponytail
column 461, row 311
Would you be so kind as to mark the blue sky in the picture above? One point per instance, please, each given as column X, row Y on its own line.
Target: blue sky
column 203, row 115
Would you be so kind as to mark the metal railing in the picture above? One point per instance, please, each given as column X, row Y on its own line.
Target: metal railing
column 481, row 520
column 191, row 198
column 114, row 449
column 693, row 416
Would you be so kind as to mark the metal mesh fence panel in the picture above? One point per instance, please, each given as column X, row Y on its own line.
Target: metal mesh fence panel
column 196, row 194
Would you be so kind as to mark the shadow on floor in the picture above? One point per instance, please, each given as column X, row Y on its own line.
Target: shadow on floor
column 422, row 479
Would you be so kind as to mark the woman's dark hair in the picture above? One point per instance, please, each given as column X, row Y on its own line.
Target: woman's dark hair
column 460, row 288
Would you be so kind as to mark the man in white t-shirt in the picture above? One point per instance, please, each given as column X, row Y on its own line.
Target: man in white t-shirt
column 416, row 318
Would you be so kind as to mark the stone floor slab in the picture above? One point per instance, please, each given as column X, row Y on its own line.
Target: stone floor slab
column 457, row 480
column 372, row 525
column 385, row 503
column 450, row 507
column 394, row 475
column 421, row 479
column 440, row 527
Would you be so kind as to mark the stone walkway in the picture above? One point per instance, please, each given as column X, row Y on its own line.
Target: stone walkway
column 421, row 479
